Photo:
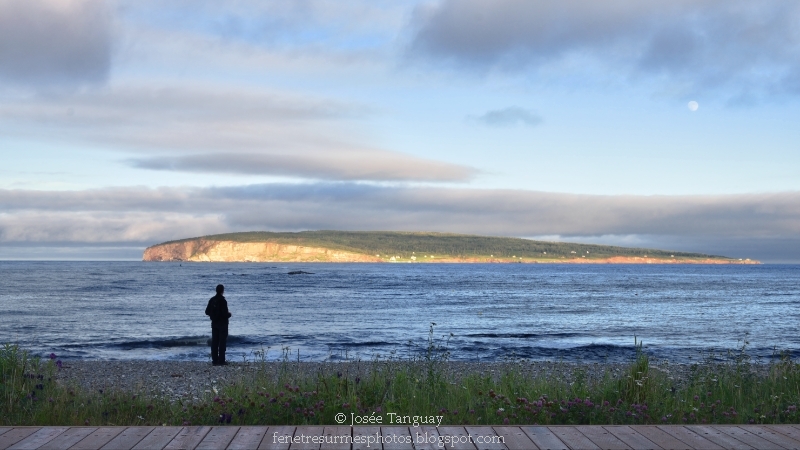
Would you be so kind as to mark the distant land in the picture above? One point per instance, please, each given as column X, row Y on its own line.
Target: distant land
column 407, row 247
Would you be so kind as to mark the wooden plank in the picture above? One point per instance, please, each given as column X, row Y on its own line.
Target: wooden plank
column 772, row 436
column 749, row 439
column 368, row 438
column 659, row 437
column 544, row 438
column 718, row 437
column 602, row 437
column 486, row 438
column 336, row 437
column 277, row 438
column 426, row 438
column 218, row 437
column 158, row 438
column 68, row 438
column 97, row 438
column 39, row 438
column 306, row 435
column 188, row 438
column 688, row 437
column 515, row 438
column 128, row 438
column 573, row 438
column 248, row 438
column 4, row 429
column 785, row 430
column 396, row 438
column 455, row 438
column 15, row 435
column 630, row 437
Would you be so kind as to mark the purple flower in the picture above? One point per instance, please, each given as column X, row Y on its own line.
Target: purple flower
column 58, row 363
column 52, row 356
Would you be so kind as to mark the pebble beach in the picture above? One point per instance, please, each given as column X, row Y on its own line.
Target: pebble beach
column 193, row 381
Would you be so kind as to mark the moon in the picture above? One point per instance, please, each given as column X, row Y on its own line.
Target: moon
column 693, row 105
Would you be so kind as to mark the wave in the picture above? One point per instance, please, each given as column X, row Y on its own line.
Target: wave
column 522, row 335
column 181, row 341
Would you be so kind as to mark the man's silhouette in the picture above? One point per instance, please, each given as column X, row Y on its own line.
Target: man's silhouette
column 217, row 310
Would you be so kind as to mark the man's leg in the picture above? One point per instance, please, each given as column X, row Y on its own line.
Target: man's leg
column 215, row 335
column 223, row 341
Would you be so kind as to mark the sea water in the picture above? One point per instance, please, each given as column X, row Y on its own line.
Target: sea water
column 571, row 312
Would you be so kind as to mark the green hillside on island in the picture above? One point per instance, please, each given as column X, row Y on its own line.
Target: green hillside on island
column 445, row 245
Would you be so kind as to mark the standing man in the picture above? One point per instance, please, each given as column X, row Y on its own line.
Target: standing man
column 217, row 311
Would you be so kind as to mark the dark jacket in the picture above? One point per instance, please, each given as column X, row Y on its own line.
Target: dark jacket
column 217, row 310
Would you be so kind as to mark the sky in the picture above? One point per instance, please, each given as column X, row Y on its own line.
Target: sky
column 662, row 124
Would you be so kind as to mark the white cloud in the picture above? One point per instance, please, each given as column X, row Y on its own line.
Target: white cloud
column 55, row 42
column 221, row 130
column 745, row 46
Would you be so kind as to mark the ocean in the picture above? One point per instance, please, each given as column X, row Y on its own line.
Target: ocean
column 494, row 312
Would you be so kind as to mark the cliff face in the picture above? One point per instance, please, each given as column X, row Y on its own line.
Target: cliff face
column 228, row 251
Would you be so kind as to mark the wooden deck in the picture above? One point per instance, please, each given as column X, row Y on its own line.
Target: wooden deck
column 397, row 438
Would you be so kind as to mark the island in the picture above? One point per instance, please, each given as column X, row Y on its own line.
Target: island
column 408, row 247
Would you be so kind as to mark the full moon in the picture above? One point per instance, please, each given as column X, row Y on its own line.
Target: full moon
column 693, row 105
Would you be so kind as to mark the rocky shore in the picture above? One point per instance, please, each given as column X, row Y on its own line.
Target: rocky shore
column 193, row 381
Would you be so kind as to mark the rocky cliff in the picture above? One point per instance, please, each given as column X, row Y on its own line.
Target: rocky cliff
column 229, row 251
column 210, row 250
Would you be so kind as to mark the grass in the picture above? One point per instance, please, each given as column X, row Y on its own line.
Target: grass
column 734, row 391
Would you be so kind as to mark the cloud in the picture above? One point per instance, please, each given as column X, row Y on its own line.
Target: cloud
column 334, row 163
column 735, row 225
column 750, row 46
column 55, row 42
column 513, row 115
column 216, row 129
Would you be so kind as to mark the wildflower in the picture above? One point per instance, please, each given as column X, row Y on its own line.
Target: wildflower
column 338, row 374
column 186, row 423
column 241, row 411
column 345, row 405
column 663, row 418
column 52, row 356
column 505, row 421
column 86, row 422
column 358, row 380
column 472, row 411
column 377, row 410
column 58, row 363
column 455, row 412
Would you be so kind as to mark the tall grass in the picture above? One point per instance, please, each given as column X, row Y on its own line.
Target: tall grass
column 735, row 391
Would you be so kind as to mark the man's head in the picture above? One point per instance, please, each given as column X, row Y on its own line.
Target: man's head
column 220, row 289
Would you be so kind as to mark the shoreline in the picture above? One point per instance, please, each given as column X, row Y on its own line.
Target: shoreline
column 194, row 381
column 479, row 260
